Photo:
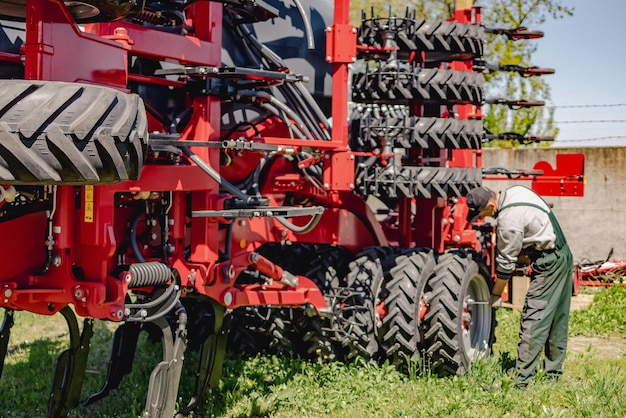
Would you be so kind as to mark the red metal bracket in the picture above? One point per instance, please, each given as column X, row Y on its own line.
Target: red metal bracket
column 341, row 44
column 339, row 172
column 567, row 179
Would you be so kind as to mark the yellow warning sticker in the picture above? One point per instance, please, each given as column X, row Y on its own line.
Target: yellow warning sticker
column 88, row 203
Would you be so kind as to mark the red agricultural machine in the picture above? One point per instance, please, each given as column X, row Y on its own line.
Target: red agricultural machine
column 255, row 176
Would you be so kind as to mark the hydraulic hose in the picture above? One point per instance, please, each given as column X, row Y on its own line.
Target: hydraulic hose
column 284, row 108
column 300, row 229
column 249, row 200
column 133, row 236
column 292, row 127
column 310, row 42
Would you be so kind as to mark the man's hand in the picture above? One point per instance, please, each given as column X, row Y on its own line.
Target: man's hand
column 495, row 301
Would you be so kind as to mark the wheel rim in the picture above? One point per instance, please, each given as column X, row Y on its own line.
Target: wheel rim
column 477, row 315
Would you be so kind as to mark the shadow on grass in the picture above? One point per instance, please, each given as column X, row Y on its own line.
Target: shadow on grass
column 27, row 378
column 29, row 368
column 507, row 363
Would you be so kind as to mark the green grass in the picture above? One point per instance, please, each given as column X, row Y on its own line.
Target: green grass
column 593, row 385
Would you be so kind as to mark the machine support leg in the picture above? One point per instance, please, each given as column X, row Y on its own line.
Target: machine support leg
column 165, row 378
column 121, row 361
column 70, row 367
column 210, row 363
column 5, row 333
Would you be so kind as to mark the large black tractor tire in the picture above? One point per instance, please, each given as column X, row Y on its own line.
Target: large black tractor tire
column 400, row 330
column 357, row 319
column 459, row 325
column 68, row 133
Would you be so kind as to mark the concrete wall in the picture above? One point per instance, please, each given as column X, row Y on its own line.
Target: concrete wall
column 592, row 224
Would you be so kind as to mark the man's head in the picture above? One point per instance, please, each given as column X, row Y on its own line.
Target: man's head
column 481, row 201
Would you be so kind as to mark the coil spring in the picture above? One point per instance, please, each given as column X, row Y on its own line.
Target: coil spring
column 149, row 274
column 150, row 17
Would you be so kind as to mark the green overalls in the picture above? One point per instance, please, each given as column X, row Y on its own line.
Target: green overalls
column 546, row 309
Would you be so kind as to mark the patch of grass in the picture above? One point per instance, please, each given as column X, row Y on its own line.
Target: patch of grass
column 604, row 318
column 267, row 386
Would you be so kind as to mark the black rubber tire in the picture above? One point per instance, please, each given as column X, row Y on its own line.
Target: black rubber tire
column 259, row 330
column 271, row 330
column 391, row 182
column 439, row 36
column 457, row 331
column 374, row 130
column 68, row 133
column 83, row 10
column 429, row 84
column 357, row 319
column 400, row 330
column 318, row 339
column 446, row 36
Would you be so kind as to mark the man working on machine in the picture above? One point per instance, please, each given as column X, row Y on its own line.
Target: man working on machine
column 525, row 222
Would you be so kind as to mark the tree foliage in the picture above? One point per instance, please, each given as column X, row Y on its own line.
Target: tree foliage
column 499, row 50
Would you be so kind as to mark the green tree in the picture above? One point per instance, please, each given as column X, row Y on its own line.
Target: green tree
column 499, row 50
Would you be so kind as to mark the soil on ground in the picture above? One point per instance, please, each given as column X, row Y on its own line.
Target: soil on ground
column 601, row 347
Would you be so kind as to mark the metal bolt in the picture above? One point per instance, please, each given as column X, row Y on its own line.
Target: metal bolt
column 7, row 293
column 78, row 292
column 56, row 261
column 143, row 313
column 228, row 298
column 128, row 277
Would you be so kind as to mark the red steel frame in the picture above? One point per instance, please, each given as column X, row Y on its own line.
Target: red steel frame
column 87, row 235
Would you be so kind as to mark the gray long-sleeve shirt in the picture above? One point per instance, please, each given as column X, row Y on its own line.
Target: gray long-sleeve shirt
column 521, row 227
